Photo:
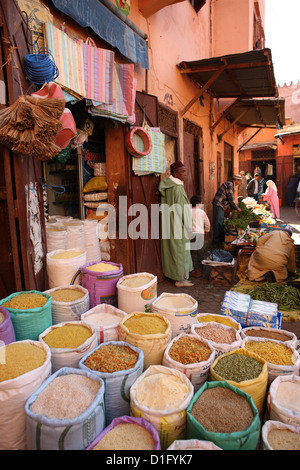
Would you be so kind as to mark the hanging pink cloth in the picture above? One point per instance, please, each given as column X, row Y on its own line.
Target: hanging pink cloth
column 271, row 197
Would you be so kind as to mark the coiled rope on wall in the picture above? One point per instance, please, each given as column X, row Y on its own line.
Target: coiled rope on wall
column 40, row 67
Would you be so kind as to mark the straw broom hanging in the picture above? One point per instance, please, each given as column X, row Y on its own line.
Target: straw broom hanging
column 30, row 125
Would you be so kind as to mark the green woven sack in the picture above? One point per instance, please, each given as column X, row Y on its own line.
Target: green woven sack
column 243, row 440
column 30, row 323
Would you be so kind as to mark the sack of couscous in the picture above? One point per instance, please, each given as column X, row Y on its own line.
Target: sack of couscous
column 161, row 395
column 136, row 292
column 24, row 366
column 30, row 313
column 66, row 412
column 280, row 436
column 68, row 342
column 68, row 303
column 62, row 266
column 119, row 364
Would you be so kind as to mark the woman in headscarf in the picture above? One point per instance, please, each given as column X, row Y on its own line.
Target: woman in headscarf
column 271, row 196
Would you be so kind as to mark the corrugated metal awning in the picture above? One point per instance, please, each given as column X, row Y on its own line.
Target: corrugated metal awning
column 244, row 75
column 259, row 112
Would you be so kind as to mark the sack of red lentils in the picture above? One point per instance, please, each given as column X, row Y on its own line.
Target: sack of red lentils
column 66, row 412
column 235, row 426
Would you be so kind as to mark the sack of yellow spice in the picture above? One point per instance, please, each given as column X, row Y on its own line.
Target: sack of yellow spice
column 149, row 332
column 244, row 370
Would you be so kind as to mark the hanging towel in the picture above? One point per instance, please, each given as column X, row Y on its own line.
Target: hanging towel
column 155, row 161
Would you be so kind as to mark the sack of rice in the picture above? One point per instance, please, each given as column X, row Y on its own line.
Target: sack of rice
column 75, row 235
column 105, row 320
column 161, row 395
column 63, row 265
column 192, row 356
column 68, row 303
column 179, row 309
column 235, row 426
column 280, row 436
column 282, row 359
column 287, row 337
column 223, row 319
column 149, row 332
column 244, row 370
column 56, row 237
column 7, row 332
column 193, row 444
column 68, row 342
column 136, row 292
column 24, row 366
column 30, row 313
column 284, row 399
column 66, row 412
column 223, row 338
column 100, row 279
column 127, row 433
column 119, row 365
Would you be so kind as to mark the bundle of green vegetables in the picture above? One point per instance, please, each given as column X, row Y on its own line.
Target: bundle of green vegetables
column 240, row 219
column 286, row 297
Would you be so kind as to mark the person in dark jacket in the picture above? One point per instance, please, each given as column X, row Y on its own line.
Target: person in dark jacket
column 291, row 190
column 253, row 187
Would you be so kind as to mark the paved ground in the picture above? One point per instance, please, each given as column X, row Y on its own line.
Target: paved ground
column 210, row 295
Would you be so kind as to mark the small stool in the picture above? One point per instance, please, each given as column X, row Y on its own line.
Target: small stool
column 223, row 274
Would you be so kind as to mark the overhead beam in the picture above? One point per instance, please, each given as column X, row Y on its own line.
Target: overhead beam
column 220, row 136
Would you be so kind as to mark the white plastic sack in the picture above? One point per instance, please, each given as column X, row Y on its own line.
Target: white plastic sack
column 105, row 320
column 70, row 434
column 286, row 414
column 69, row 311
column 56, row 237
column 117, row 384
column 13, row 395
column 61, row 271
column 193, row 444
column 273, row 425
column 292, row 341
column 223, row 319
column 67, row 357
column 140, row 298
column 92, row 243
column 220, row 348
column 197, row 372
column 179, row 309
column 76, row 235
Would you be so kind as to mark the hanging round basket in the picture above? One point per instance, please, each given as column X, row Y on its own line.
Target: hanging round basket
column 144, row 141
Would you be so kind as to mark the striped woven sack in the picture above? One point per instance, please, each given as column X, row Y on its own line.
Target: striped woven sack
column 155, row 161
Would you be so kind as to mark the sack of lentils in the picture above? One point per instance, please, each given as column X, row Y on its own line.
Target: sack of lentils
column 223, row 319
column 119, row 364
column 284, row 336
column 244, row 370
column 30, row 313
column 68, row 342
column 235, row 426
column 282, row 359
column 192, row 356
column 66, row 412
column 223, row 338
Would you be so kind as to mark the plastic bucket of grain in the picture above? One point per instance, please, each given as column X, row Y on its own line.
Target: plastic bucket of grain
column 234, row 427
column 127, row 433
column 105, row 320
column 150, row 332
column 30, row 313
column 136, row 292
column 62, row 266
column 68, row 342
column 119, row 364
column 66, row 412
column 223, row 338
column 7, row 332
column 100, row 279
column 244, row 370
column 24, row 366
column 161, row 395
column 280, row 436
column 68, row 303
column 192, row 356
column 179, row 309
column 284, row 399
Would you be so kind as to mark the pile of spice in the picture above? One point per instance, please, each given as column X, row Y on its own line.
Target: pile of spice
column 284, row 439
column 67, row 295
column 275, row 353
column 126, row 436
column 189, row 350
column 18, row 358
column 146, row 324
column 66, row 397
column 67, row 336
column 238, row 367
column 26, row 301
column 112, row 358
column 216, row 333
column 210, row 412
column 270, row 333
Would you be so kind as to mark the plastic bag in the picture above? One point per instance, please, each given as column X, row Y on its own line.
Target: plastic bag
column 222, row 256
